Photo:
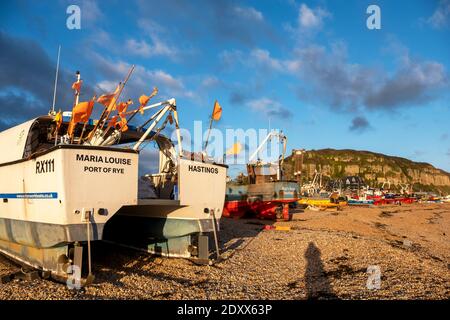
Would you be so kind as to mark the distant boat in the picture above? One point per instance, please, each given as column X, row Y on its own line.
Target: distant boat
column 266, row 195
column 357, row 202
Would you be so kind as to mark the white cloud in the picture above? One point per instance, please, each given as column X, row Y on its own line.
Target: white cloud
column 259, row 58
column 157, row 47
column 150, row 26
column 441, row 16
column 141, row 48
column 293, row 66
column 101, row 37
column 141, row 81
column 263, row 57
column 229, row 58
column 329, row 78
column 144, row 49
column 107, row 86
column 269, row 107
column 161, row 48
column 163, row 78
column 311, row 18
column 249, row 13
column 90, row 11
column 210, row 81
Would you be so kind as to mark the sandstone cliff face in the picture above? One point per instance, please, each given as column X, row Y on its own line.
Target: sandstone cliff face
column 375, row 168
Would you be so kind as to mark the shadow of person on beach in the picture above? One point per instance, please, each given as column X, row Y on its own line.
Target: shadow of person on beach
column 235, row 233
column 318, row 285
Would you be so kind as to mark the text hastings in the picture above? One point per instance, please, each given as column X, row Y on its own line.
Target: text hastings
column 203, row 169
column 101, row 159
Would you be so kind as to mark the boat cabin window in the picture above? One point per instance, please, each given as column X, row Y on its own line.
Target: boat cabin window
column 262, row 173
column 37, row 139
column 158, row 172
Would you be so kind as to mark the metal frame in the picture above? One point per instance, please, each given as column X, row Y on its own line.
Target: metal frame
column 271, row 134
column 169, row 106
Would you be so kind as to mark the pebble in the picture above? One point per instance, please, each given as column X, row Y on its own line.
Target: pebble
column 323, row 256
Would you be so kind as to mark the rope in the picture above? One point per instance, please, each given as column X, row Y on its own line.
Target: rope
column 214, row 222
column 88, row 223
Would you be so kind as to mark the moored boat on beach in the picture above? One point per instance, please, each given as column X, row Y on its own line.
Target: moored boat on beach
column 67, row 181
column 266, row 194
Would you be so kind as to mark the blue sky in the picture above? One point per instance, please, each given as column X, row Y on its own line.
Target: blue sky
column 311, row 68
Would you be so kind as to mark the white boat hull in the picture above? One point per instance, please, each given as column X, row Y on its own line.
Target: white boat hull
column 44, row 199
column 201, row 194
column 47, row 201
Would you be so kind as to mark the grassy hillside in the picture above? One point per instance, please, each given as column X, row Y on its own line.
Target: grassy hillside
column 375, row 168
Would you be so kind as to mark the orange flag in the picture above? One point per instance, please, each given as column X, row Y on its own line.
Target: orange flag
column 77, row 85
column 143, row 100
column 80, row 113
column 123, row 124
column 123, row 106
column 235, row 149
column 58, row 119
column 83, row 111
column 106, row 99
column 112, row 122
column 217, row 111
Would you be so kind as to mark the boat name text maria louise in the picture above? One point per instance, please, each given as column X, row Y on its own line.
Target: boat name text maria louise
column 96, row 158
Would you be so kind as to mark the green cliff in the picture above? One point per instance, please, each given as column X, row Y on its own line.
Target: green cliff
column 375, row 168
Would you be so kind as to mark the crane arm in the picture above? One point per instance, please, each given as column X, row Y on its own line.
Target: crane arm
column 271, row 134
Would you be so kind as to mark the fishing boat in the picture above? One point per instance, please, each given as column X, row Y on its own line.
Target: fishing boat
column 433, row 199
column 266, row 195
column 55, row 198
column 389, row 200
column 360, row 202
column 236, row 200
column 176, row 209
column 67, row 181
column 321, row 203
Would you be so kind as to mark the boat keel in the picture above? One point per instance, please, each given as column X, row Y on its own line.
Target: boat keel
column 63, row 263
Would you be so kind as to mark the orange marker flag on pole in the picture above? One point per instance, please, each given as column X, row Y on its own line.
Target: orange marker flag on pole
column 123, row 106
column 217, row 111
column 80, row 113
column 106, row 99
column 123, row 124
column 83, row 111
column 112, row 122
column 58, row 119
column 143, row 100
column 77, row 85
column 215, row 116
column 235, row 149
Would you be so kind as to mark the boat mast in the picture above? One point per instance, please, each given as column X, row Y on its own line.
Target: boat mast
column 271, row 134
column 52, row 112
column 77, row 92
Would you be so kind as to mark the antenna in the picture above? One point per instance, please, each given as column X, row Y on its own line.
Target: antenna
column 77, row 92
column 56, row 82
